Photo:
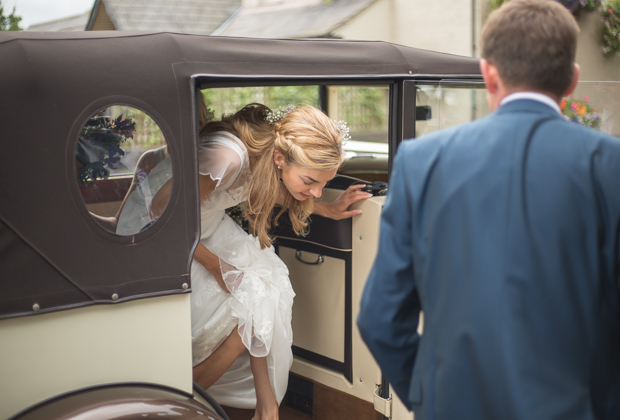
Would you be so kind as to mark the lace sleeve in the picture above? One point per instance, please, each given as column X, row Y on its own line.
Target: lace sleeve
column 220, row 162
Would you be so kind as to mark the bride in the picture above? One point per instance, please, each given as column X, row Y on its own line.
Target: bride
column 242, row 297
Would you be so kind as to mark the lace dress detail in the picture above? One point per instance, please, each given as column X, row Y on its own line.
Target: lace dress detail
column 261, row 297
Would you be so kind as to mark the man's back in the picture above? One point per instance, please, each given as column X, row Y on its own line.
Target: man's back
column 505, row 232
column 510, row 218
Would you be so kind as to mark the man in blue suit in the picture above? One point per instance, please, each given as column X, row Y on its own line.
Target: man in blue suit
column 505, row 233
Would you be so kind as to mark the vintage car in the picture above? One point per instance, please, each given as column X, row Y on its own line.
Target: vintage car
column 95, row 324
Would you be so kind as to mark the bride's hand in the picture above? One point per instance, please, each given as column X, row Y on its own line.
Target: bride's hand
column 339, row 208
column 211, row 262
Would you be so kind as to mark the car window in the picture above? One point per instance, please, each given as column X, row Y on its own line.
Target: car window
column 366, row 111
column 595, row 104
column 364, row 108
column 445, row 105
column 116, row 150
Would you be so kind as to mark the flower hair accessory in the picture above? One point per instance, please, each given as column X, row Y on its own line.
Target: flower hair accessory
column 344, row 129
column 277, row 114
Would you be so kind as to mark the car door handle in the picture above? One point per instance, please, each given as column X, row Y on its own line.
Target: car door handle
column 318, row 261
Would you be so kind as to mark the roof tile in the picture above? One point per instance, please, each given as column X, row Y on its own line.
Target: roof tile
column 187, row 16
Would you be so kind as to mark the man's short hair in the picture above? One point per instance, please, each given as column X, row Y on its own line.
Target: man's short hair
column 532, row 43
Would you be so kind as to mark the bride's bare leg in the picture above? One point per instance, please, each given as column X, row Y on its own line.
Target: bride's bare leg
column 213, row 367
column 266, row 404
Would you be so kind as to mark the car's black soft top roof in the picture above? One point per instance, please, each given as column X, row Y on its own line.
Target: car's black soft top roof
column 242, row 56
column 52, row 252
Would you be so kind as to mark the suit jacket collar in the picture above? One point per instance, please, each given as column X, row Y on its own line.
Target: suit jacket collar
column 527, row 105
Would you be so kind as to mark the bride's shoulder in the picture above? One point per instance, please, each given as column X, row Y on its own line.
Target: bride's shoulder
column 221, row 148
column 224, row 138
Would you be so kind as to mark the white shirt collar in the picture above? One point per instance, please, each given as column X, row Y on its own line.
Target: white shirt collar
column 534, row 96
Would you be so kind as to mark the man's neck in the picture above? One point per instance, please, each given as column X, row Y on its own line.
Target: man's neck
column 495, row 100
column 553, row 97
column 532, row 96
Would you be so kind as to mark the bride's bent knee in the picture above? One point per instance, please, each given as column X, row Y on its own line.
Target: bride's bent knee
column 234, row 343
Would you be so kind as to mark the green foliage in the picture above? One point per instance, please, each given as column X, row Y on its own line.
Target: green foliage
column 496, row 3
column 591, row 5
column 230, row 100
column 364, row 109
column 610, row 28
column 150, row 135
column 9, row 22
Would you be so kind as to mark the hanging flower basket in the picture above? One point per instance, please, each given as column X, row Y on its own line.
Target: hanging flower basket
column 581, row 112
column 577, row 5
column 610, row 28
column 99, row 146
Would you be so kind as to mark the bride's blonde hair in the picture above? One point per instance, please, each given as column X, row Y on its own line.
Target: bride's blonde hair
column 305, row 137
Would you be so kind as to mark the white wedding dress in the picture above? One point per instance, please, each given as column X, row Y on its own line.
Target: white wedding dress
column 261, row 297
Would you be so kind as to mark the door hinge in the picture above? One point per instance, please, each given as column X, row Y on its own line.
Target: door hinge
column 382, row 405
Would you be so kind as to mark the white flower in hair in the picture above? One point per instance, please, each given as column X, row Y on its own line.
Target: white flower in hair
column 344, row 129
column 277, row 114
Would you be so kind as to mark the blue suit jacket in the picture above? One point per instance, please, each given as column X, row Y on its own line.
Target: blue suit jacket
column 505, row 233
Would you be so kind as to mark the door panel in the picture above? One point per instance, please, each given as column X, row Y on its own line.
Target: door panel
column 318, row 302
column 319, row 313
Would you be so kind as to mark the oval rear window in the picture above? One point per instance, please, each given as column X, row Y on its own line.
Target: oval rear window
column 122, row 161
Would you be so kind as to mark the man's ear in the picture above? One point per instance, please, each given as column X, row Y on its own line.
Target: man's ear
column 490, row 75
column 573, row 84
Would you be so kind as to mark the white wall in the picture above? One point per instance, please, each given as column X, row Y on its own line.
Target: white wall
column 435, row 25
column 441, row 26
column 594, row 66
column 447, row 26
column 373, row 24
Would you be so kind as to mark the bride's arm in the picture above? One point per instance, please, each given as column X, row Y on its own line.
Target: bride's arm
column 202, row 255
column 211, row 262
column 160, row 200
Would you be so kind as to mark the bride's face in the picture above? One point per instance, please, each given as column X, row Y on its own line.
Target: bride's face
column 303, row 182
